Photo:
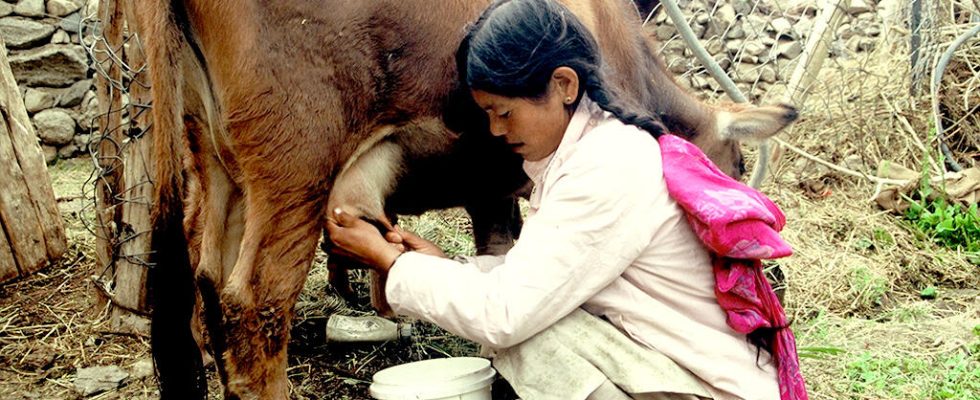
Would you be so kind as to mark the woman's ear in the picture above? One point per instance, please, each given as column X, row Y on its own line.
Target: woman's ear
column 565, row 82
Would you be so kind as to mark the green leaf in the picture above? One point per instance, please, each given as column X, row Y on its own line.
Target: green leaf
column 928, row 293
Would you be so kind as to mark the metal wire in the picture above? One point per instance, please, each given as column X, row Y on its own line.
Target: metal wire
column 108, row 144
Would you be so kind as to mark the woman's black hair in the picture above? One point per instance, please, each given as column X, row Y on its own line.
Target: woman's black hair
column 515, row 46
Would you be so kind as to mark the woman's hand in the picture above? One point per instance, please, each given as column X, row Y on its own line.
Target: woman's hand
column 363, row 242
column 412, row 242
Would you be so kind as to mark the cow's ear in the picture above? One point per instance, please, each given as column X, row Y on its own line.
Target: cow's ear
column 754, row 123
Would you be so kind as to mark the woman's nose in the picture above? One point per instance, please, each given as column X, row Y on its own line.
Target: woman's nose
column 497, row 127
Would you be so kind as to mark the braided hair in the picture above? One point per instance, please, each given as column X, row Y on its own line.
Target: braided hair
column 515, row 46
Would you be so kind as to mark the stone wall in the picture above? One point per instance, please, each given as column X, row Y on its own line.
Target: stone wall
column 53, row 70
column 757, row 42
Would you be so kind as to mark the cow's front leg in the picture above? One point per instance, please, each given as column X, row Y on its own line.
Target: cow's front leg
column 257, row 301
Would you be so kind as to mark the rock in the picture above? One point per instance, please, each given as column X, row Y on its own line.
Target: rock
column 714, row 46
column 92, row 380
column 725, row 15
column 751, row 73
column 67, row 151
column 50, row 153
column 61, row 37
column 678, row 67
column 22, row 33
column 737, row 31
column 733, row 47
column 6, row 9
column 665, row 32
column 30, row 8
column 858, row 7
column 142, row 368
column 61, row 8
column 91, row 8
column 37, row 100
column 789, row 49
column 720, row 21
column 54, row 65
column 74, row 94
column 781, row 25
column 700, row 82
column 55, row 126
column 803, row 8
column 82, row 140
column 753, row 49
column 768, row 75
column 71, row 23
column 744, row 7
column 89, row 113
column 861, row 44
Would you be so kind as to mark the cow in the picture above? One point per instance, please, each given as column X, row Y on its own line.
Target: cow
column 266, row 113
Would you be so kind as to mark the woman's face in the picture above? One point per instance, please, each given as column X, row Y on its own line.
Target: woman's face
column 532, row 127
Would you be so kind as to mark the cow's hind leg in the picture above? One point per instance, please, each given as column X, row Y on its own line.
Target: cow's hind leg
column 281, row 231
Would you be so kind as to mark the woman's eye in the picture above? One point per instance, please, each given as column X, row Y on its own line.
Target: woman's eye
column 505, row 114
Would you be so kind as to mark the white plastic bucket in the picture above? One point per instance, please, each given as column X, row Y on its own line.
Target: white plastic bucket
column 456, row 378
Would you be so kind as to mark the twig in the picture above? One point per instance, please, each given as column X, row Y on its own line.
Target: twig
column 63, row 199
column 911, row 132
column 111, row 298
column 835, row 167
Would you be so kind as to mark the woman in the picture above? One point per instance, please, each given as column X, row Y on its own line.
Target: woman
column 603, row 235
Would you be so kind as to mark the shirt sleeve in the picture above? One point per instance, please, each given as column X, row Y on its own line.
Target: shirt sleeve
column 588, row 230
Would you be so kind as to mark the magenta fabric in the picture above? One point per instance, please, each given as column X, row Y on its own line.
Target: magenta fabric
column 740, row 226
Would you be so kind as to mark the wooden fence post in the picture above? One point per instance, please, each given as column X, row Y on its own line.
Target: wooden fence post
column 123, row 193
column 32, row 234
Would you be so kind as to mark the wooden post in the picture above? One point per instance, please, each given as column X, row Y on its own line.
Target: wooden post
column 33, row 233
column 110, row 141
column 815, row 52
column 124, row 193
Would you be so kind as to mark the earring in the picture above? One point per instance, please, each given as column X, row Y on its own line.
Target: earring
column 568, row 100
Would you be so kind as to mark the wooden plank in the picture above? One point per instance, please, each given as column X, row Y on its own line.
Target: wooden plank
column 18, row 214
column 110, row 99
column 131, row 266
column 8, row 267
column 31, row 160
column 132, row 263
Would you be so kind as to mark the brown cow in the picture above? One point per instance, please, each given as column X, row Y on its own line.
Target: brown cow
column 265, row 111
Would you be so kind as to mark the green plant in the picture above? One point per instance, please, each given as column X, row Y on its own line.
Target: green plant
column 949, row 225
column 949, row 376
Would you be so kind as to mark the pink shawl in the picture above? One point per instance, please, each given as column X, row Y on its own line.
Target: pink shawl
column 740, row 226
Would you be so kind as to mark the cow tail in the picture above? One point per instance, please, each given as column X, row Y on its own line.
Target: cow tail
column 179, row 366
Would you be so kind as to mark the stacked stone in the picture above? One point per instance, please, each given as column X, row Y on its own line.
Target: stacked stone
column 52, row 70
column 757, row 42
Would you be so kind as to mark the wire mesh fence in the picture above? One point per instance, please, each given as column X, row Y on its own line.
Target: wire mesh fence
column 119, row 187
column 871, row 97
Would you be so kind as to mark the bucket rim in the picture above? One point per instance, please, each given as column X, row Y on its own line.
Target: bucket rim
column 481, row 375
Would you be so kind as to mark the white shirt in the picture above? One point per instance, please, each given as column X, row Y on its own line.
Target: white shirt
column 602, row 234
